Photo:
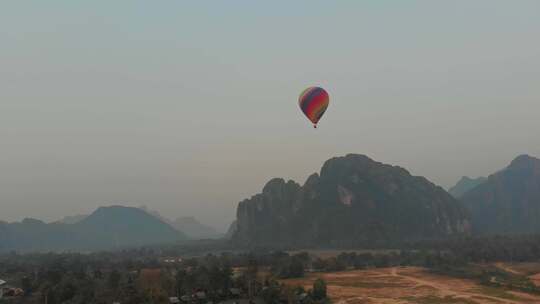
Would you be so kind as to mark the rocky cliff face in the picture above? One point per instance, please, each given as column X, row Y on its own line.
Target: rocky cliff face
column 354, row 200
column 509, row 201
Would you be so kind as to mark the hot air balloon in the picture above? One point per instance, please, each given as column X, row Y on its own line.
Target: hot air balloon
column 313, row 102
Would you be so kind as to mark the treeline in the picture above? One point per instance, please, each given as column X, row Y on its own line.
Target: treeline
column 146, row 276
column 522, row 248
column 154, row 274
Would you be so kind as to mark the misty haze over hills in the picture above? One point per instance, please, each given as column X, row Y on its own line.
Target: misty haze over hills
column 465, row 184
column 509, row 201
column 353, row 201
column 187, row 225
column 107, row 228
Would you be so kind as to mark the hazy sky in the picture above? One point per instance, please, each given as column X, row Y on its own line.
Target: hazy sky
column 189, row 108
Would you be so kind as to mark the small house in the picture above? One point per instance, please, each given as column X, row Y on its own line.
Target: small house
column 185, row 298
column 2, row 283
column 200, row 295
column 301, row 298
column 7, row 291
column 235, row 292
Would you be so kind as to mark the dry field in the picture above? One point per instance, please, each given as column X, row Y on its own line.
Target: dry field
column 408, row 285
column 532, row 270
column 535, row 278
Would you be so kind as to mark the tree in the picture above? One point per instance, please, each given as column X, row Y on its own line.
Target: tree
column 319, row 264
column 180, row 278
column 129, row 292
column 251, row 275
column 296, row 268
column 271, row 293
column 226, row 275
column 68, row 290
column 168, row 282
column 114, row 279
column 215, row 278
column 26, row 286
column 49, row 295
column 319, row 289
column 98, row 274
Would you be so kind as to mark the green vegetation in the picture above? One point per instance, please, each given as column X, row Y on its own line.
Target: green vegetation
column 147, row 276
column 156, row 273
column 319, row 289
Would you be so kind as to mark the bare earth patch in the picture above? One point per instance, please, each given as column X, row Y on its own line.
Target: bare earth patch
column 530, row 269
column 535, row 279
column 398, row 285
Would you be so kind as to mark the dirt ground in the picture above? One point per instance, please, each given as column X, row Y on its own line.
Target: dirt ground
column 408, row 285
column 531, row 270
column 535, row 279
column 528, row 268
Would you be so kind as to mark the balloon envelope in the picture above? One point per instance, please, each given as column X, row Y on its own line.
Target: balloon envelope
column 313, row 102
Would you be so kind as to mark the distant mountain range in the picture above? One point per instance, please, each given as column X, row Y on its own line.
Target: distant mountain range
column 72, row 219
column 509, row 201
column 187, row 225
column 465, row 184
column 354, row 200
column 194, row 229
column 106, row 228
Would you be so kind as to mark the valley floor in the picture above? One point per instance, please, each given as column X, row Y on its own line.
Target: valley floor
column 409, row 285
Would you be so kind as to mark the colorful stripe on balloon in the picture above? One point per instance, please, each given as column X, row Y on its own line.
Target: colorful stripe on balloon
column 313, row 102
